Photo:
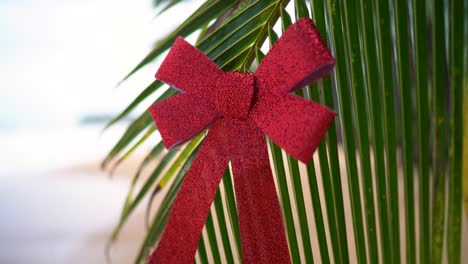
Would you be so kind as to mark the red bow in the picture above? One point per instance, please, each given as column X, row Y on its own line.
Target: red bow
column 239, row 108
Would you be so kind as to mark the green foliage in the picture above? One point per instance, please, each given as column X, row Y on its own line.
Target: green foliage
column 398, row 89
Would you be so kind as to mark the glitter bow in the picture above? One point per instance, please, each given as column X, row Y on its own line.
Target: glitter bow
column 238, row 109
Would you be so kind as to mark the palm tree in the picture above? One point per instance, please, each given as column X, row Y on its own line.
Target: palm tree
column 386, row 183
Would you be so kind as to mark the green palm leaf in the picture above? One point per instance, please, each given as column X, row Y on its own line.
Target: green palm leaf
column 207, row 12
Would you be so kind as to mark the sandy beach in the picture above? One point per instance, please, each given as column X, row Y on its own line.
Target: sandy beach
column 56, row 205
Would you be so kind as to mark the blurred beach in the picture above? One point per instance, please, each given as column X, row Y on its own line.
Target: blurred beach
column 60, row 62
column 57, row 206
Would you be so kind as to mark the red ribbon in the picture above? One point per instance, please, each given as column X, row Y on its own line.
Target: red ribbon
column 239, row 108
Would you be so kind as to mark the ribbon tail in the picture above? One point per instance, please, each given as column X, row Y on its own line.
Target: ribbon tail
column 261, row 223
column 192, row 205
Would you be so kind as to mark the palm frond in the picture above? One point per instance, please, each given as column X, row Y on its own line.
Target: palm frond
column 395, row 150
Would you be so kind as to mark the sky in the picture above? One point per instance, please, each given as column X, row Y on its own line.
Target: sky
column 61, row 60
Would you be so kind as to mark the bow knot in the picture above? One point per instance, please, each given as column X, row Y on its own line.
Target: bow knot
column 233, row 94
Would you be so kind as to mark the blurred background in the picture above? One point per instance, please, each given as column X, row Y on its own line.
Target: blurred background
column 60, row 62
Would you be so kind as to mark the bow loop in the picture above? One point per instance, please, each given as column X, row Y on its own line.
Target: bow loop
column 188, row 70
column 182, row 117
column 299, row 57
